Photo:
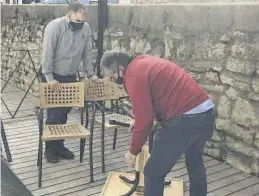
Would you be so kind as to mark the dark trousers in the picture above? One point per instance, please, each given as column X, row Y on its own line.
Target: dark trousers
column 186, row 134
column 57, row 115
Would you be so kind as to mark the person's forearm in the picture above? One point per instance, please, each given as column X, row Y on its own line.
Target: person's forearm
column 138, row 139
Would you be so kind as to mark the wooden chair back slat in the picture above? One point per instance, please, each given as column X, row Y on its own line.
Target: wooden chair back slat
column 70, row 95
column 102, row 90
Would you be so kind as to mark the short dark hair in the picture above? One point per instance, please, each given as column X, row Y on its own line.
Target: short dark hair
column 113, row 59
column 76, row 7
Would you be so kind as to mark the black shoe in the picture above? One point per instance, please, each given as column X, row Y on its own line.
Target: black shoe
column 50, row 156
column 65, row 153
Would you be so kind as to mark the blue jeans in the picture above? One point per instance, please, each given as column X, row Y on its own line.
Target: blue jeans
column 185, row 134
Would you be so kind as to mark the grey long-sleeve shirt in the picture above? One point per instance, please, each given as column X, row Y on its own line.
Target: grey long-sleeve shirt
column 63, row 49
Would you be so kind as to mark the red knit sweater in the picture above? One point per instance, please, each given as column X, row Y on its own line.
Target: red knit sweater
column 172, row 90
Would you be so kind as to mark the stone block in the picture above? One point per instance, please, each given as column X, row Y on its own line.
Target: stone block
column 218, row 52
column 255, row 167
column 243, row 86
column 213, row 88
column 224, row 39
column 253, row 96
column 245, row 51
column 217, row 136
column 232, row 93
column 241, row 133
column 223, row 125
column 255, row 84
column 257, row 68
column 224, row 107
column 240, row 66
column 226, row 80
column 257, row 139
column 244, row 113
column 240, row 147
column 213, row 152
column 202, row 66
column 212, row 76
column 184, row 52
column 239, row 161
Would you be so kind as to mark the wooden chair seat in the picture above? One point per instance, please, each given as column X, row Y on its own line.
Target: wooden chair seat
column 117, row 117
column 66, row 131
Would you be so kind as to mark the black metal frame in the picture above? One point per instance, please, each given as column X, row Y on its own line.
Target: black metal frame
column 137, row 173
column 12, row 74
column 39, row 114
column 97, row 105
column 5, row 143
column 102, row 24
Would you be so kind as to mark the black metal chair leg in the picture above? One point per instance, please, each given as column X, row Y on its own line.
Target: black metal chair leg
column 114, row 138
column 38, row 159
column 86, row 117
column 91, row 143
column 82, row 149
column 40, row 165
column 82, row 116
column 102, row 142
column 135, row 184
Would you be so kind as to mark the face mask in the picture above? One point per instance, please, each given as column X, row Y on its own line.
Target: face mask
column 119, row 80
column 76, row 26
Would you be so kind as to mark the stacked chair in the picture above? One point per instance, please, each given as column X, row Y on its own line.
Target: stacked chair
column 80, row 95
column 97, row 93
column 70, row 95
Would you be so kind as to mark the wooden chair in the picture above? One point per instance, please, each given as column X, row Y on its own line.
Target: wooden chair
column 70, row 95
column 126, row 184
column 100, row 91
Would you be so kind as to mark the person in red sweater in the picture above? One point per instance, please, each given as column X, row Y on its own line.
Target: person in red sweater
column 159, row 89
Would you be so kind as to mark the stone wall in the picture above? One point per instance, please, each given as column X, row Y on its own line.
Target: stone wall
column 217, row 44
column 186, row 1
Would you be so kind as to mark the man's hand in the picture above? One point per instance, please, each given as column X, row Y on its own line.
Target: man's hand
column 54, row 85
column 130, row 159
column 94, row 78
column 131, row 127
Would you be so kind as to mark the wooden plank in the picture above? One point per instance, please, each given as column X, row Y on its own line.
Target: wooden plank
column 32, row 149
column 24, row 166
column 218, row 175
column 235, row 186
column 227, row 181
column 252, row 190
column 70, row 177
column 77, row 180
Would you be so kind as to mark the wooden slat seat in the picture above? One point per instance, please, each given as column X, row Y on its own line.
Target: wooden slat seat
column 66, row 131
column 117, row 117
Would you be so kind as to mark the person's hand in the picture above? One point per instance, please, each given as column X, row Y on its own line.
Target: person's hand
column 54, row 85
column 94, row 78
column 130, row 159
column 131, row 127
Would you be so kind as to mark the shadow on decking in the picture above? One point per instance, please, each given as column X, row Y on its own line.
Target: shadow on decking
column 72, row 177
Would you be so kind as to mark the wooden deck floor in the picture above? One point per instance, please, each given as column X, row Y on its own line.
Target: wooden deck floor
column 72, row 177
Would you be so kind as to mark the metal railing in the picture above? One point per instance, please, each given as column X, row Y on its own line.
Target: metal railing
column 27, row 52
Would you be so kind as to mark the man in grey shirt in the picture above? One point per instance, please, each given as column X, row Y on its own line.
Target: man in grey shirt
column 67, row 41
